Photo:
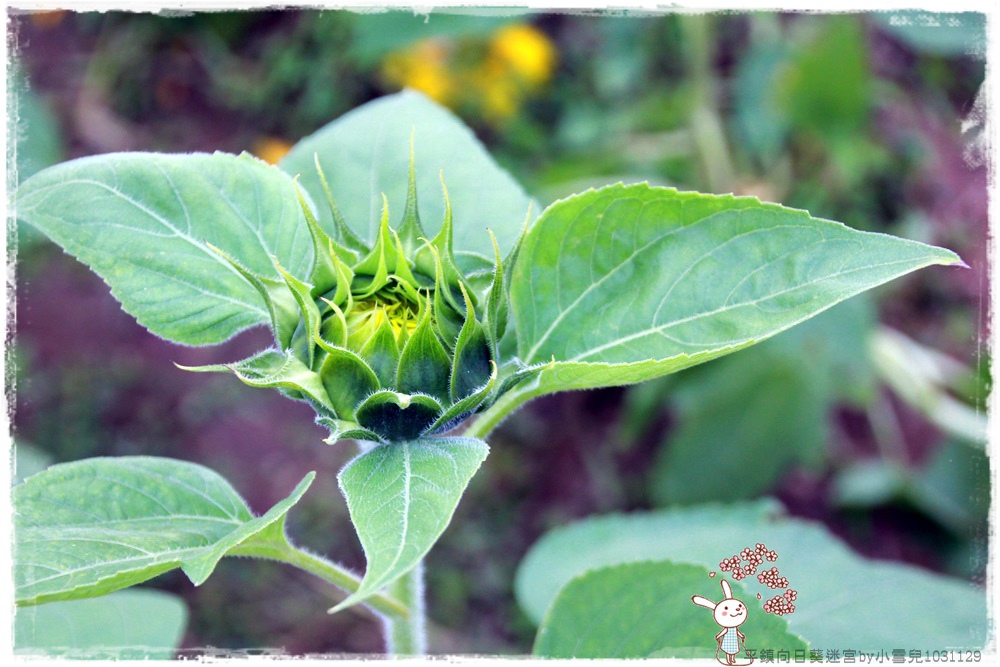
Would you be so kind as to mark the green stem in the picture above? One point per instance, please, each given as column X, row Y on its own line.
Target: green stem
column 408, row 636
column 388, row 606
column 500, row 410
column 705, row 122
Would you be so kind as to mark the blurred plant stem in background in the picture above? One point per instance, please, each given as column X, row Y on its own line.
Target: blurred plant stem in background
column 705, row 122
column 926, row 379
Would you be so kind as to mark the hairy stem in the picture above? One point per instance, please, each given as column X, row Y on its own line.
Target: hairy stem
column 408, row 636
column 500, row 410
column 387, row 606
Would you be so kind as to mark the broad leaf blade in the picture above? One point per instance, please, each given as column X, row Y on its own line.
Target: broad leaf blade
column 91, row 527
column 611, row 540
column 762, row 417
column 844, row 600
column 142, row 221
column 141, row 624
column 365, row 153
column 754, row 414
column 401, row 497
column 638, row 609
column 627, row 283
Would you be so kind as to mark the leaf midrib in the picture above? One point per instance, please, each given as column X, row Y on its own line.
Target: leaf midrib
column 152, row 214
column 404, row 533
column 130, row 521
column 171, row 556
column 635, row 253
column 659, row 329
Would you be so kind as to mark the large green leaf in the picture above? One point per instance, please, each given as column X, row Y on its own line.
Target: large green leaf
column 140, row 624
column 91, row 527
column 626, row 283
column 401, row 497
column 603, row 541
column 752, row 429
column 365, row 153
column 757, row 412
column 844, row 600
column 833, row 349
column 634, row 610
column 143, row 222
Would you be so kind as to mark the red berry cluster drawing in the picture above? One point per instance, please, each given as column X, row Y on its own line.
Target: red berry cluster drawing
column 772, row 579
column 781, row 604
column 746, row 564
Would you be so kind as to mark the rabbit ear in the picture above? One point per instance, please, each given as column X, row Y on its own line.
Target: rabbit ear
column 726, row 589
column 703, row 602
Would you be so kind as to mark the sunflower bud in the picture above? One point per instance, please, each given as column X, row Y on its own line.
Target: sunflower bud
column 387, row 342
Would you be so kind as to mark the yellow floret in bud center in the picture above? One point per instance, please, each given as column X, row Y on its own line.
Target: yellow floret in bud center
column 366, row 317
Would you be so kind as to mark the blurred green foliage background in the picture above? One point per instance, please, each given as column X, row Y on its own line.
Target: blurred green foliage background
column 870, row 418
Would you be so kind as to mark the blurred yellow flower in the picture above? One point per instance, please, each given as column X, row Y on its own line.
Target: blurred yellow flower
column 527, row 51
column 489, row 76
column 500, row 98
column 423, row 67
column 271, row 149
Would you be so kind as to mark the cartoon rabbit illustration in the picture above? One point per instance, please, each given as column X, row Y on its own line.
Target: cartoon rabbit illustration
column 730, row 614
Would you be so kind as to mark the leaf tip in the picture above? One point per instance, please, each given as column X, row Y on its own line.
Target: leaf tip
column 198, row 571
column 946, row 257
column 347, row 602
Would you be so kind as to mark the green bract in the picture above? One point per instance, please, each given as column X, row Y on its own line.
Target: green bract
column 387, row 342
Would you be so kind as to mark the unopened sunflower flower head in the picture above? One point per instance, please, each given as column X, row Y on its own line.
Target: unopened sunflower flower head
column 388, row 341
